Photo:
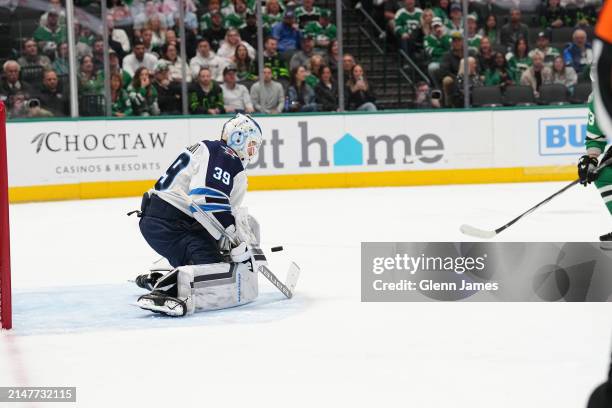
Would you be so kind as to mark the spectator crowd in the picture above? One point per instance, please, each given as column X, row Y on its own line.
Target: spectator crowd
column 511, row 42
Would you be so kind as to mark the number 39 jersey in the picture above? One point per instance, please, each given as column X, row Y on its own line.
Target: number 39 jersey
column 212, row 174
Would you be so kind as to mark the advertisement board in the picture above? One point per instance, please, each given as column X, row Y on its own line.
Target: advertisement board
column 106, row 158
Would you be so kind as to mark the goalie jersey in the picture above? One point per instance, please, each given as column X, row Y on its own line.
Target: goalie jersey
column 213, row 175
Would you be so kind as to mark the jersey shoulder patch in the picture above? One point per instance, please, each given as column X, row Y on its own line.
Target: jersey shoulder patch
column 219, row 147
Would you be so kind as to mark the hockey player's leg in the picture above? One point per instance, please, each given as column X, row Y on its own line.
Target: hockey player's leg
column 192, row 288
column 604, row 186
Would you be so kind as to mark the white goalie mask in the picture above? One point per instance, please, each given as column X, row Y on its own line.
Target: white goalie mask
column 243, row 135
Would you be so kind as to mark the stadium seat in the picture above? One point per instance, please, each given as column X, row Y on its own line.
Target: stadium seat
column 32, row 74
column 519, row 95
column 553, row 94
column 562, row 34
column 486, row 96
column 581, row 92
column 91, row 105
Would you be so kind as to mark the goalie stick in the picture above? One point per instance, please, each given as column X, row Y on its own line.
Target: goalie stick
column 293, row 273
column 488, row 234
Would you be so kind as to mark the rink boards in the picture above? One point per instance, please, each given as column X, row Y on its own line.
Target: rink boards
column 92, row 158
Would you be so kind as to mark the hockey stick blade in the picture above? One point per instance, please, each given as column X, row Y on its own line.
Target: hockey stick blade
column 477, row 232
column 292, row 276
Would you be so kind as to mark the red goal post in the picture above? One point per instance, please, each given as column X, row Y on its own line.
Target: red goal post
column 5, row 246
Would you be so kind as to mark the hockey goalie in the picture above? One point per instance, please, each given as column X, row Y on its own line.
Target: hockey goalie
column 208, row 270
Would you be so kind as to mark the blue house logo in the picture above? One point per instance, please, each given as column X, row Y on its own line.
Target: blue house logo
column 348, row 151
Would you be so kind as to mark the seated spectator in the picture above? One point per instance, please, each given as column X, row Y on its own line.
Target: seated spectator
column 190, row 18
column 514, row 29
column 115, row 68
column 407, row 24
column 85, row 39
column 205, row 96
column 150, row 10
column 579, row 53
column 323, row 31
column 442, row 11
column 228, row 46
column 500, row 73
column 143, row 95
column 268, row 97
column 449, row 66
column 168, row 92
column 31, row 57
column 120, row 100
column 306, row 13
column 333, row 57
column 216, row 32
column 214, row 6
column 436, row 45
column 249, row 32
column 486, row 56
column 55, row 6
column 147, row 40
column 543, row 45
column 51, row 96
column 205, row 57
column 171, row 38
column 91, row 82
column 174, row 63
column 52, row 31
column 491, row 31
column 551, row 14
column 564, row 75
column 301, row 95
column 455, row 22
column 17, row 107
column 286, row 34
column 273, row 60
column 236, row 97
column 237, row 17
column 474, row 80
column 326, row 91
column 122, row 16
column 314, row 70
column 139, row 58
column 348, row 62
column 360, row 96
column 473, row 37
column 246, row 68
column 580, row 14
column 302, row 56
column 98, row 55
column 425, row 98
column 10, row 84
column 537, row 75
column 157, row 33
column 519, row 60
column 60, row 64
column 118, row 34
column 272, row 14
column 426, row 22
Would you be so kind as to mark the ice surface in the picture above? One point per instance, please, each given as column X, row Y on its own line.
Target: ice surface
column 75, row 326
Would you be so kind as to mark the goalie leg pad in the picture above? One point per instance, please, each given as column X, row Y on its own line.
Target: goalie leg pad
column 217, row 286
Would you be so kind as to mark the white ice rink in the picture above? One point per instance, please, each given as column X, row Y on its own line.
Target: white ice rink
column 74, row 325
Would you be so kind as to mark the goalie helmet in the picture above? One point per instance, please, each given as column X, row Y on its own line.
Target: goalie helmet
column 243, row 135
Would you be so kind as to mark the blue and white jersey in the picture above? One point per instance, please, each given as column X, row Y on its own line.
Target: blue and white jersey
column 213, row 175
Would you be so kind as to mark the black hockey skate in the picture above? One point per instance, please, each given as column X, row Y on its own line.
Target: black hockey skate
column 159, row 302
column 606, row 241
column 148, row 280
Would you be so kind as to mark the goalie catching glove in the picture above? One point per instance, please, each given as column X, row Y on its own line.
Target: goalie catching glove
column 587, row 167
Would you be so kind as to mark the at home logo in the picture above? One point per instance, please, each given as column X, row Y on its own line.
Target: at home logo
column 562, row 136
column 349, row 150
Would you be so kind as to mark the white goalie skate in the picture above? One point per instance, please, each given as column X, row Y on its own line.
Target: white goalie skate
column 159, row 303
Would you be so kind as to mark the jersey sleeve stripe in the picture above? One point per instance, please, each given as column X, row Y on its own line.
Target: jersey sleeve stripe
column 208, row 192
column 211, row 208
